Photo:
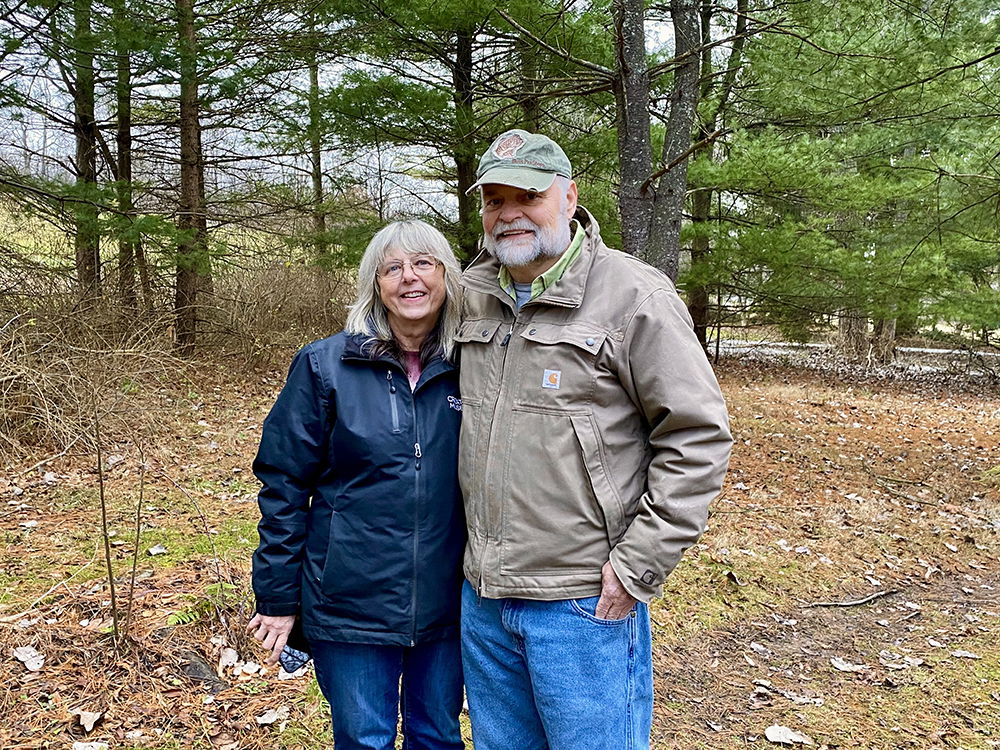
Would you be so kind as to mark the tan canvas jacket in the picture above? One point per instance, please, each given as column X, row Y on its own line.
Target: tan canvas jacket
column 592, row 428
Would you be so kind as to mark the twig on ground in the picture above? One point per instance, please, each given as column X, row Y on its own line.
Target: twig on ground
column 903, row 495
column 50, row 459
column 900, row 480
column 854, row 603
column 757, row 509
column 138, row 535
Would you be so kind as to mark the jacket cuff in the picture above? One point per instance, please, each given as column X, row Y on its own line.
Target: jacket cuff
column 277, row 609
column 639, row 589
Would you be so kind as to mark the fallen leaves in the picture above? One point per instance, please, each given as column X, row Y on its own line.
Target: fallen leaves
column 891, row 660
column 781, row 735
column 793, row 697
column 30, row 657
column 86, row 719
column 845, row 666
column 960, row 654
column 272, row 716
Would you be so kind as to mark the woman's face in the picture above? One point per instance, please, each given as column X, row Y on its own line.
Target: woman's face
column 412, row 289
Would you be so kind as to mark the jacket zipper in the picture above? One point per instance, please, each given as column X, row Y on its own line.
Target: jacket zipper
column 417, row 455
column 393, row 407
column 481, row 583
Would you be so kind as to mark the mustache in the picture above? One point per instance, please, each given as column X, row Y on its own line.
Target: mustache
column 501, row 226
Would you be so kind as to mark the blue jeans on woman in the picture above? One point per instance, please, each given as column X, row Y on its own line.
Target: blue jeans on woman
column 550, row 675
column 361, row 681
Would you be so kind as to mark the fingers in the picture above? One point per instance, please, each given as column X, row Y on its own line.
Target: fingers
column 276, row 649
column 272, row 633
column 615, row 602
column 254, row 623
column 614, row 607
column 602, row 608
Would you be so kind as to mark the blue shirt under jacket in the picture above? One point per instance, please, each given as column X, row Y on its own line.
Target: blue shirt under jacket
column 362, row 528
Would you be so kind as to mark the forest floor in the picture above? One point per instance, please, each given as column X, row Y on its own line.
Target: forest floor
column 847, row 590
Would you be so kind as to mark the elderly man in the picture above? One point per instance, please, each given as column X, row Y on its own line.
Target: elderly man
column 593, row 437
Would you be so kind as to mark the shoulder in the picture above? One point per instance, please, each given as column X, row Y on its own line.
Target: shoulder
column 622, row 286
column 323, row 358
column 337, row 342
column 616, row 266
column 331, row 349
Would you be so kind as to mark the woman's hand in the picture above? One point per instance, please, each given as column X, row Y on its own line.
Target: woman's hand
column 272, row 632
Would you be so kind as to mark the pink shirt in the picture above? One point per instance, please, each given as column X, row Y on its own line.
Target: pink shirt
column 411, row 363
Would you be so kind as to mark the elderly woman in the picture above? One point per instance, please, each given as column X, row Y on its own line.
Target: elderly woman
column 361, row 530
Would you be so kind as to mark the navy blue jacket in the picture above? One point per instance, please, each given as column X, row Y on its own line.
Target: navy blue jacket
column 362, row 528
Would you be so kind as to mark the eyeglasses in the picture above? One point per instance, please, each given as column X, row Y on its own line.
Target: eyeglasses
column 422, row 265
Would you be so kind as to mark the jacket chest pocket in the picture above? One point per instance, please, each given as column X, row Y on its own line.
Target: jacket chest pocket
column 558, row 364
column 479, row 358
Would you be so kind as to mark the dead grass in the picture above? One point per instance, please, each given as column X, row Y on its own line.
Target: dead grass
column 837, row 491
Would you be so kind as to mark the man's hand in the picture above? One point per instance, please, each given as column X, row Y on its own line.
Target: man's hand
column 272, row 632
column 615, row 602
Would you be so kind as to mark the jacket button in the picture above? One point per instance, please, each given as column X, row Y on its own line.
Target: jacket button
column 485, row 331
column 533, row 331
column 590, row 342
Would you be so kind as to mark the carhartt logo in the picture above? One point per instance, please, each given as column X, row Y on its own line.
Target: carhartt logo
column 648, row 577
column 551, row 378
column 455, row 403
column 507, row 147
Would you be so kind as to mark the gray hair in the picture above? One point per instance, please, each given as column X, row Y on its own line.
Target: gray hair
column 368, row 316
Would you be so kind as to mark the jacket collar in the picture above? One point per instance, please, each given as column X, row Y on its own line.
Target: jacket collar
column 356, row 351
column 481, row 275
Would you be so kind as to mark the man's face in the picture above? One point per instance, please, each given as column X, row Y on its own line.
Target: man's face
column 522, row 226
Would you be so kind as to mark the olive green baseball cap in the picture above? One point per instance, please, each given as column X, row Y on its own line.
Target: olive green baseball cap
column 529, row 161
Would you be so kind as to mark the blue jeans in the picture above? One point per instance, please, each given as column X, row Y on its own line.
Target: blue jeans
column 552, row 676
column 362, row 683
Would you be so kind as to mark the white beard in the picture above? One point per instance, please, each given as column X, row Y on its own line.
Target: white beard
column 546, row 242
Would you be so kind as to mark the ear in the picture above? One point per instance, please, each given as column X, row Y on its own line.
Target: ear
column 571, row 197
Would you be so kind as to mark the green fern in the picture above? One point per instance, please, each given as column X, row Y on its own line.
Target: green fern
column 183, row 617
column 217, row 596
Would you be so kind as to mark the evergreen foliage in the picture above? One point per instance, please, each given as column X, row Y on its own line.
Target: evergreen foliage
column 843, row 163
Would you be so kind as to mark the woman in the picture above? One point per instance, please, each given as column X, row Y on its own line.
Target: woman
column 361, row 531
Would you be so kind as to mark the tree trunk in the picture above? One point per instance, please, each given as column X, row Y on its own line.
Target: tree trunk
column 465, row 143
column 701, row 199
column 698, row 302
column 635, row 151
column 123, row 139
column 316, row 151
column 530, row 101
column 191, row 250
column 145, row 283
column 883, row 346
column 664, row 248
column 87, row 242
column 883, row 342
column 853, row 335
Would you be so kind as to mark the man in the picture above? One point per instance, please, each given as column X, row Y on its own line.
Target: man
column 593, row 437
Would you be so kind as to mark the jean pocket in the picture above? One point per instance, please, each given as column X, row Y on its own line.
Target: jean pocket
column 587, row 607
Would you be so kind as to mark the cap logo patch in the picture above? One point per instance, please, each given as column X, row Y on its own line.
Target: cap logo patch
column 551, row 378
column 507, row 147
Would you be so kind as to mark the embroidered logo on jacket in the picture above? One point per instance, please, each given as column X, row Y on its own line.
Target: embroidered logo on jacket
column 455, row 403
column 551, row 379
